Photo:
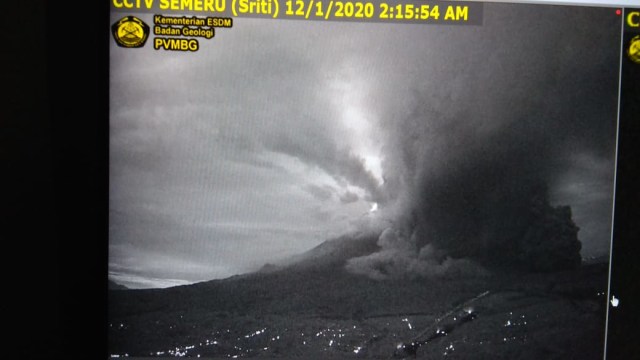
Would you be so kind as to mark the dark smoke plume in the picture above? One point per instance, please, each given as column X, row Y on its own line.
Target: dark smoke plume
column 470, row 170
column 488, row 199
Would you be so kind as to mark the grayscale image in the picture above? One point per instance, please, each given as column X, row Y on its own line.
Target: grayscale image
column 309, row 189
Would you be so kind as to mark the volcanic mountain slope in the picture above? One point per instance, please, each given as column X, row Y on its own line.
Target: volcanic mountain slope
column 314, row 308
column 115, row 286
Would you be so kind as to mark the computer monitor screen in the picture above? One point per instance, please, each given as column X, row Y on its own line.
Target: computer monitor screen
column 363, row 179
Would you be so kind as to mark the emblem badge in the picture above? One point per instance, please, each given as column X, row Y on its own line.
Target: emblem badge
column 634, row 49
column 130, row 32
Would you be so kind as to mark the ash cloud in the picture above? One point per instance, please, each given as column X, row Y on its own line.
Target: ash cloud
column 349, row 197
column 340, row 163
column 399, row 258
column 320, row 192
column 471, row 167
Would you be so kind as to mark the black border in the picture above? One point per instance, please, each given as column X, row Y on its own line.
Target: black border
column 624, row 320
column 81, row 133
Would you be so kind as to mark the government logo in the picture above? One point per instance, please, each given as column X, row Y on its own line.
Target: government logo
column 130, row 32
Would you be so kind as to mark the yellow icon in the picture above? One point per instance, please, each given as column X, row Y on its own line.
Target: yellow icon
column 633, row 19
column 634, row 49
column 130, row 32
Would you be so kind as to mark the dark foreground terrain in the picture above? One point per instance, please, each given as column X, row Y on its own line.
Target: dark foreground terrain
column 323, row 311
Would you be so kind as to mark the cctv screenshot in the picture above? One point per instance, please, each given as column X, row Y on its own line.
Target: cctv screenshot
column 338, row 179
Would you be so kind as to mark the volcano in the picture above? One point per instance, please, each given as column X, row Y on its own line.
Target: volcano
column 314, row 307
